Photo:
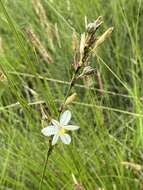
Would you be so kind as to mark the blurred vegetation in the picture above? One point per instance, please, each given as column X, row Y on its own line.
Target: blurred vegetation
column 109, row 112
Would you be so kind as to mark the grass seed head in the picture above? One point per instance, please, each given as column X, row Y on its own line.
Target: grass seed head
column 134, row 166
column 38, row 46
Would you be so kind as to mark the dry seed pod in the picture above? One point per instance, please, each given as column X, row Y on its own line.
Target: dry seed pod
column 70, row 99
column 82, row 44
column 102, row 38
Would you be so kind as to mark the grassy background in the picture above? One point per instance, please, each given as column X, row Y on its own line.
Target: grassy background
column 111, row 122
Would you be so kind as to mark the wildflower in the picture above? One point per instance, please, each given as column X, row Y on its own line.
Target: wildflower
column 58, row 129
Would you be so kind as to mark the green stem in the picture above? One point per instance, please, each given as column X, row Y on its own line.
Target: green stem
column 50, row 145
column 49, row 152
column 72, row 82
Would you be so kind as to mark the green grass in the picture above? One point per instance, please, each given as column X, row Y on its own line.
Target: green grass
column 111, row 122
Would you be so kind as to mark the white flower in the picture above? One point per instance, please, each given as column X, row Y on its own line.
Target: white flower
column 58, row 129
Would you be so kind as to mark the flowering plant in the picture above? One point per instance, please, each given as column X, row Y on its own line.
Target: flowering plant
column 58, row 129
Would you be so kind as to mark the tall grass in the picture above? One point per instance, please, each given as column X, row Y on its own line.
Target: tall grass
column 109, row 115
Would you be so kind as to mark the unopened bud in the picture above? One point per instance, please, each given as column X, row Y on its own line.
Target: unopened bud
column 91, row 27
column 70, row 99
column 88, row 70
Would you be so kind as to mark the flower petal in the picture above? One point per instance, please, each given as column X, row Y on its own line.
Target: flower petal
column 66, row 139
column 50, row 130
column 55, row 122
column 71, row 127
column 55, row 139
column 65, row 117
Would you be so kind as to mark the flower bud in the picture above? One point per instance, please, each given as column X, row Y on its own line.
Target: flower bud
column 91, row 27
column 70, row 99
column 88, row 70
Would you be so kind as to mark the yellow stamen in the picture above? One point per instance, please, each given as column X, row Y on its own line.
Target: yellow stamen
column 62, row 131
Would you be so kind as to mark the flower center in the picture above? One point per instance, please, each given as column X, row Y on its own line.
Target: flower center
column 62, row 131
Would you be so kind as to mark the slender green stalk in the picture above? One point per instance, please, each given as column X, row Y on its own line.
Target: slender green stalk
column 50, row 149
column 49, row 152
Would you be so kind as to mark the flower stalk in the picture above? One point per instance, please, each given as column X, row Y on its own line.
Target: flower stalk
column 49, row 152
column 80, row 63
column 50, row 149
